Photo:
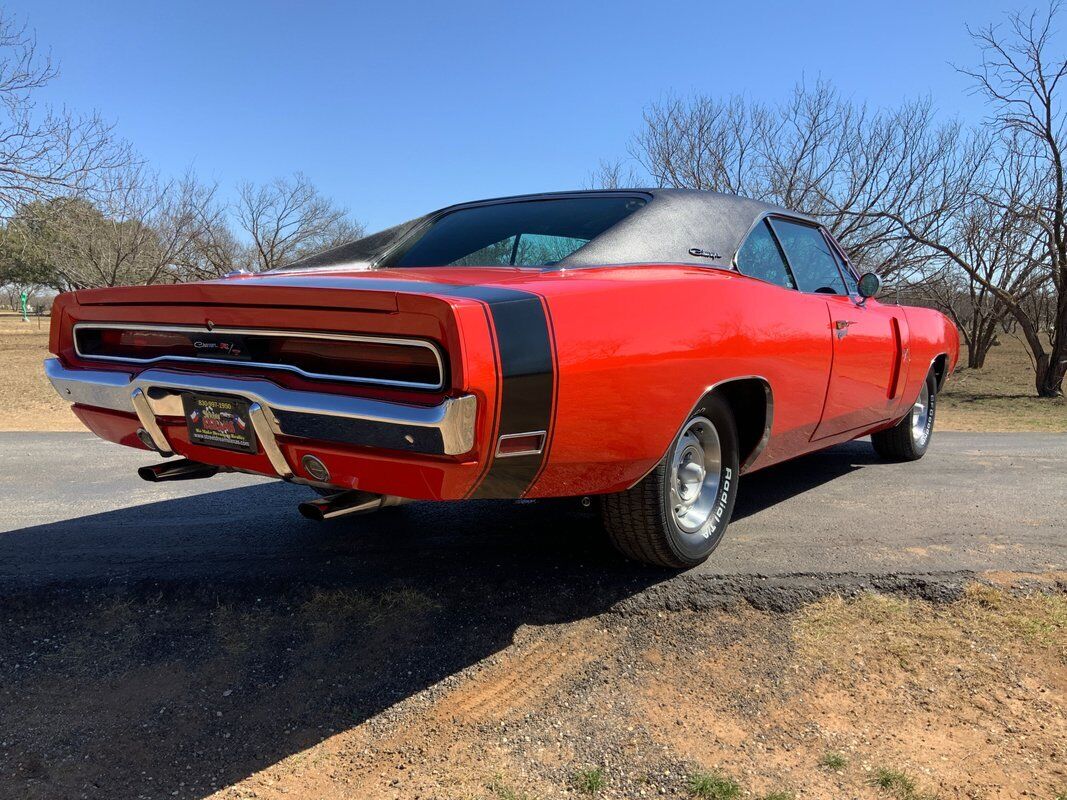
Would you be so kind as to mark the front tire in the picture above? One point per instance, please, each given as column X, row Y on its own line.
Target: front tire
column 909, row 439
column 677, row 515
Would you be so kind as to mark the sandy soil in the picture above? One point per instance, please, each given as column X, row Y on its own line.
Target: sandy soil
column 293, row 694
column 966, row 701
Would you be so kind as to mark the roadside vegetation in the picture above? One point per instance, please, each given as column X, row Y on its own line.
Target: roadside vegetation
column 712, row 786
column 999, row 395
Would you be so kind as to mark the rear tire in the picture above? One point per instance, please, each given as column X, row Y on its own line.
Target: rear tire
column 677, row 515
column 909, row 439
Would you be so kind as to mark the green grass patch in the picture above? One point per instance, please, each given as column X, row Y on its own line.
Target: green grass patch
column 502, row 791
column 712, row 786
column 894, row 782
column 897, row 784
column 833, row 760
column 590, row 781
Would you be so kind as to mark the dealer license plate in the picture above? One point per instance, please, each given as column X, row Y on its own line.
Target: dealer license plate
column 219, row 422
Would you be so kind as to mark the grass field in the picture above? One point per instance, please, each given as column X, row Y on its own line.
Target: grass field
column 27, row 400
column 999, row 397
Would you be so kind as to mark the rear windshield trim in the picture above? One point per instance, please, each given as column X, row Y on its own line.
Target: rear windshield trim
column 431, row 219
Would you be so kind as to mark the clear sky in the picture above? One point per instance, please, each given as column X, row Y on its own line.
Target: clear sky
column 396, row 108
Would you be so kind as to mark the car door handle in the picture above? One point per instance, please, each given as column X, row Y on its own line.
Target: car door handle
column 841, row 324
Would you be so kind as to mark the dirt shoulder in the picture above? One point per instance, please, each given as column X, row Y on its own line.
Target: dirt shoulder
column 999, row 397
column 319, row 692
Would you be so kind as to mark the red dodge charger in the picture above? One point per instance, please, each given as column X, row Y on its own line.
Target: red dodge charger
column 646, row 347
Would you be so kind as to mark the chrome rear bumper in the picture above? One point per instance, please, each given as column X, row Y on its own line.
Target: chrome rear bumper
column 443, row 429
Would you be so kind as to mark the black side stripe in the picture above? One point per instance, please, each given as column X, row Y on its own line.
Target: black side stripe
column 528, row 384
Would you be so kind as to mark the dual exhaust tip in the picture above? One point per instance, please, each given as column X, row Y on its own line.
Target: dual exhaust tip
column 347, row 502
column 342, row 503
column 181, row 470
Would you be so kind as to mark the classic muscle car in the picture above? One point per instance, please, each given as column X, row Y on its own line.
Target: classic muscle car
column 644, row 349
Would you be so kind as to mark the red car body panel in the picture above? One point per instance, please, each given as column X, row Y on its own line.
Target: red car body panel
column 632, row 348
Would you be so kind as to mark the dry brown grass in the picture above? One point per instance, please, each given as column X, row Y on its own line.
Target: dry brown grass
column 917, row 635
column 999, row 397
column 27, row 400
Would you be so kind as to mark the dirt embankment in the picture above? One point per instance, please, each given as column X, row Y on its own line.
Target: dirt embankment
column 316, row 692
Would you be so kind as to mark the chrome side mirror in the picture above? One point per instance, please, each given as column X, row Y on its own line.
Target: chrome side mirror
column 869, row 285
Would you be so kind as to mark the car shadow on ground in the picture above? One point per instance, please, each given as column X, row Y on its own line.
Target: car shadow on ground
column 174, row 648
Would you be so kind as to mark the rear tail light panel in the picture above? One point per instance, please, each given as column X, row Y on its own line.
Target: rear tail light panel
column 383, row 361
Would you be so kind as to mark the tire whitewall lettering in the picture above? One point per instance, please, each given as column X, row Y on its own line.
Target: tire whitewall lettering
column 677, row 515
column 909, row 439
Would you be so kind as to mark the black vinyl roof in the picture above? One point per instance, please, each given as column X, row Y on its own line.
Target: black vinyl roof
column 663, row 231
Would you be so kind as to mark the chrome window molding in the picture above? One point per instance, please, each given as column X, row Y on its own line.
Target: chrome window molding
column 337, row 337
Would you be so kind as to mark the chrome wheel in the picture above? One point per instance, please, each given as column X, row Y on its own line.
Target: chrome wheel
column 696, row 471
column 920, row 416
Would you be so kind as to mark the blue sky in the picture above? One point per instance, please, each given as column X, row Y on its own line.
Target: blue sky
column 395, row 108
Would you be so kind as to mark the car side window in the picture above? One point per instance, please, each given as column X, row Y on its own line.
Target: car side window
column 760, row 257
column 836, row 249
column 814, row 266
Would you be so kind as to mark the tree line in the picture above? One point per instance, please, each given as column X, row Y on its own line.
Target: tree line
column 969, row 218
column 79, row 209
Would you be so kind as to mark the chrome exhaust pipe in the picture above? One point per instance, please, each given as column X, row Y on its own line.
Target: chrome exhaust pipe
column 347, row 502
column 181, row 470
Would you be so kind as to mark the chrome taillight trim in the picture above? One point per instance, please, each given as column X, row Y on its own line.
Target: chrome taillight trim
column 336, row 337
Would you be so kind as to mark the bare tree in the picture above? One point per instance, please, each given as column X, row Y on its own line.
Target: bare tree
column 288, row 219
column 704, row 143
column 998, row 248
column 44, row 152
column 1021, row 77
column 212, row 249
column 616, row 174
column 138, row 232
column 814, row 153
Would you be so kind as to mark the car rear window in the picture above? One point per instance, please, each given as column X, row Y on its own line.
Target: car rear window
column 526, row 233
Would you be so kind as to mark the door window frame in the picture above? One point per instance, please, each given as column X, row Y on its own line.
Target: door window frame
column 843, row 259
column 766, row 218
column 764, row 221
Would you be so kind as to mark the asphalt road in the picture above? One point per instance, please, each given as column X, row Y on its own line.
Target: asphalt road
column 72, row 509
